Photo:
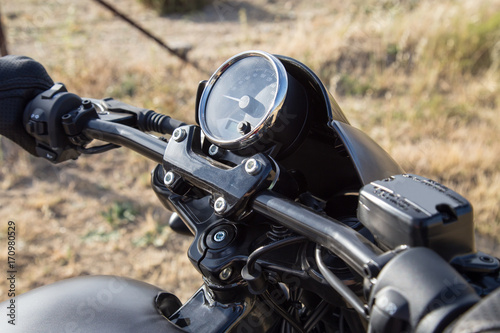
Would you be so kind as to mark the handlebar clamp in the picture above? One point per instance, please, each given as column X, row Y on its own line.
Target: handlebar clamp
column 230, row 187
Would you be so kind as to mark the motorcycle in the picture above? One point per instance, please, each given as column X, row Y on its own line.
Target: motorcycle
column 300, row 222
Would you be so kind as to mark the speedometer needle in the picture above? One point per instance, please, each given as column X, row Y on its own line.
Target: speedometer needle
column 233, row 98
column 243, row 102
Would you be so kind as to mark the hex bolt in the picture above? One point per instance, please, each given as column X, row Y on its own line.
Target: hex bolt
column 86, row 104
column 220, row 236
column 225, row 273
column 179, row 134
column 169, row 178
column 220, row 205
column 252, row 166
column 215, row 151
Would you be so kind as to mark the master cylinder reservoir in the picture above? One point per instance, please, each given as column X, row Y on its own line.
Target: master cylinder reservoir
column 416, row 211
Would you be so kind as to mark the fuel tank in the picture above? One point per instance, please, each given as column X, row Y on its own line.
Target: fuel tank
column 90, row 304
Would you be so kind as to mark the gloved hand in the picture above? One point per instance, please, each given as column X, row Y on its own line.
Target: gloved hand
column 21, row 79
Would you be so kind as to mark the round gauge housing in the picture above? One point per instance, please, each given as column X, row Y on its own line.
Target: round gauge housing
column 242, row 99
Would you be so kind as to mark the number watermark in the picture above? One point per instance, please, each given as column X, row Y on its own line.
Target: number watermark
column 11, row 272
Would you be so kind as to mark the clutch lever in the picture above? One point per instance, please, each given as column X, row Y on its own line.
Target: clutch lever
column 146, row 120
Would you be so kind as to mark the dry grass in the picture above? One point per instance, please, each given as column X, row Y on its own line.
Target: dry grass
column 422, row 78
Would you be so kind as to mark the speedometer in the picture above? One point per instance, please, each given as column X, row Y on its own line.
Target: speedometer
column 242, row 99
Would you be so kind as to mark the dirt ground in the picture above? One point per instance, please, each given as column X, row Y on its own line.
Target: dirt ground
column 98, row 215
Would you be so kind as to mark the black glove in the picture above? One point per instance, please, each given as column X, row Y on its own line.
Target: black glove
column 21, row 79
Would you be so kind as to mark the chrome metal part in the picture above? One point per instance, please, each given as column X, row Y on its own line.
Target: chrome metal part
column 225, row 273
column 220, row 205
column 220, row 236
column 252, row 166
column 179, row 134
column 215, row 151
column 169, row 179
column 242, row 99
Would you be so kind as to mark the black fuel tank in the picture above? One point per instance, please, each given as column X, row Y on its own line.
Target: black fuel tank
column 88, row 304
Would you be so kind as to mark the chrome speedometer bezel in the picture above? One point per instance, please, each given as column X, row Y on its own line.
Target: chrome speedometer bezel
column 268, row 119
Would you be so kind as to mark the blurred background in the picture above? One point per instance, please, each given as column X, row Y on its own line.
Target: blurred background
column 420, row 77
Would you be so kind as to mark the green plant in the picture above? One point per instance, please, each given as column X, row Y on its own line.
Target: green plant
column 350, row 85
column 120, row 213
column 100, row 236
column 467, row 48
column 157, row 236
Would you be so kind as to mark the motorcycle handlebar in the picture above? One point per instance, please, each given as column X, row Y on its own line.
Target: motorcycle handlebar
column 345, row 242
column 145, row 144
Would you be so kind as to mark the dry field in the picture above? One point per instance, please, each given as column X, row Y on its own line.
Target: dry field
column 421, row 77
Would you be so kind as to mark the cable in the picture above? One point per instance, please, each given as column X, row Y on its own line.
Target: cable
column 339, row 286
column 267, row 297
column 252, row 258
column 318, row 313
column 97, row 149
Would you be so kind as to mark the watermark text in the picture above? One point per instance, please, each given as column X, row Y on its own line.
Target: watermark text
column 11, row 272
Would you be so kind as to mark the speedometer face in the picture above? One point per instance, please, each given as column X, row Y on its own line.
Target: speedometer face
column 242, row 98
